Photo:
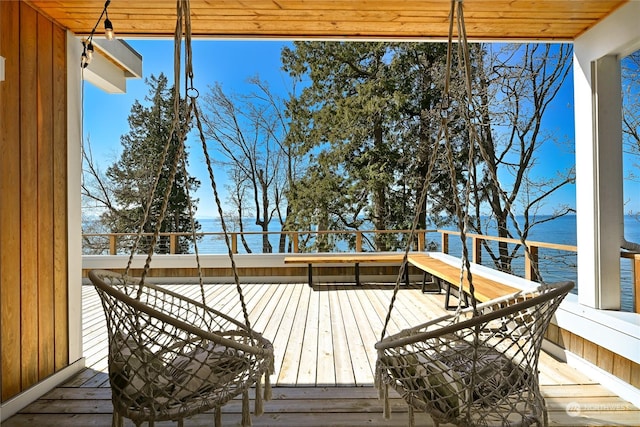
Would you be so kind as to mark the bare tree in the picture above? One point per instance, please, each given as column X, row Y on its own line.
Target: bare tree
column 631, row 102
column 96, row 192
column 97, row 196
column 517, row 85
column 631, row 118
column 249, row 132
column 276, row 124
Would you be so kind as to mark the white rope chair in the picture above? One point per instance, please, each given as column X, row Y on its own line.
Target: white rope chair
column 170, row 356
column 474, row 368
column 479, row 365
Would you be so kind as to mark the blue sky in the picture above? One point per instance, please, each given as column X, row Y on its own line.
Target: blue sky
column 231, row 63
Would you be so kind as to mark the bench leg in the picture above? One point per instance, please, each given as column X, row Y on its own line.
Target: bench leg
column 310, row 275
column 357, row 268
column 435, row 280
column 462, row 295
column 406, row 275
column 447, row 296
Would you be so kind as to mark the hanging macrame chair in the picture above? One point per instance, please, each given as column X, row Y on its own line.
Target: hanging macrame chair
column 170, row 356
column 479, row 365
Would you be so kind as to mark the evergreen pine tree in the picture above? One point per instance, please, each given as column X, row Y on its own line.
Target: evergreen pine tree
column 134, row 173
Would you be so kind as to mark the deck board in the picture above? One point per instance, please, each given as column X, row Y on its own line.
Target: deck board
column 307, row 372
column 279, row 327
column 326, row 372
column 293, row 346
column 312, row 328
column 362, row 356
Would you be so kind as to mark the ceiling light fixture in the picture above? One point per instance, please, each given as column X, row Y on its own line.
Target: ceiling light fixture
column 87, row 44
column 108, row 27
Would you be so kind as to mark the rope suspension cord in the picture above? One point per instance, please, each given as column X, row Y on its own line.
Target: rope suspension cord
column 184, row 9
column 443, row 133
column 171, row 356
column 462, row 214
column 479, row 365
column 175, row 123
column 456, row 15
column 185, row 113
column 421, row 201
column 475, row 138
column 192, row 94
column 177, row 129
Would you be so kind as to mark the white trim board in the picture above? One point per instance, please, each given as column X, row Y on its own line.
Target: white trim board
column 15, row 404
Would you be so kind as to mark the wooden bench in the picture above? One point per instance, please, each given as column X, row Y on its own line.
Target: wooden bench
column 485, row 289
column 344, row 258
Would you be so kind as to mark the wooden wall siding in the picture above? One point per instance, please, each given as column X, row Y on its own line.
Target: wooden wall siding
column 10, row 201
column 60, row 202
column 623, row 368
column 33, row 200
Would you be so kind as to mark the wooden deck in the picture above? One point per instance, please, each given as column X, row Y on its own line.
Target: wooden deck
column 323, row 336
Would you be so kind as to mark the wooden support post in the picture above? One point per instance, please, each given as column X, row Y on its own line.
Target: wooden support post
column 635, row 271
column 358, row 241
column 476, row 247
column 531, row 264
column 112, row 244
column 636, row 281
column 173, row 243
column 421, row 240
column 234, row 243
column 294, row 242
column 445, row 242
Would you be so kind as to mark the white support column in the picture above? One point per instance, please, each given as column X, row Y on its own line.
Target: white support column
column 599, row 187
column 74, row 204
column 598, row 116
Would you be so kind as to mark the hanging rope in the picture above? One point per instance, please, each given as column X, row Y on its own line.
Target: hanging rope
column 443, row 133
column 183, row 113
column 456, row 15
column 477, row 366
column 170, row 356
column 175, row 125
column 220, row 213
column 476, row 140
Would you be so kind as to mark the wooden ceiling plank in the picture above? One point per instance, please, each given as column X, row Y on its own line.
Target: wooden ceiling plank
column 486, row 19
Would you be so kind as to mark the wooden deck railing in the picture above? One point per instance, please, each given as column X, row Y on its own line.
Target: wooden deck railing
column 635, row 259
column 531, row 261
column 112, row 240
column 527, row 265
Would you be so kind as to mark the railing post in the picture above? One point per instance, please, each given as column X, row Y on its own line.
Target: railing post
column 112, row 244
column 476, row 247
column 636, row 281
column 421, row 239
column 531, row 264
column 234, row 243
column 173, row 243
column 358, row 241
column 445, row 242
column 294, row 242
